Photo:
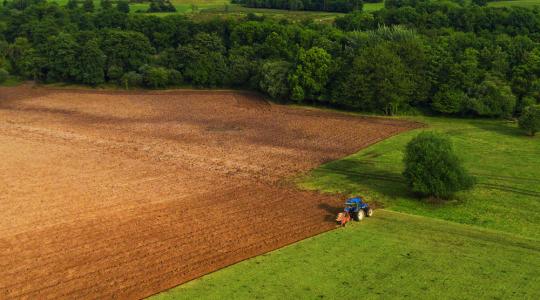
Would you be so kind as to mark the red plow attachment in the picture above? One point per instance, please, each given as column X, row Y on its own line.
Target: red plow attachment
column 343, row 218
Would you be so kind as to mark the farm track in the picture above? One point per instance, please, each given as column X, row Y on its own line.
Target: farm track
column 123, row 195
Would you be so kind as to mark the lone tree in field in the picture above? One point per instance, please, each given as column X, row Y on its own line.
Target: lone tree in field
column 530, row 120
column 432, row 168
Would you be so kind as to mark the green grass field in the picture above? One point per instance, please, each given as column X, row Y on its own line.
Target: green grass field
column 188, row 6
column 369, row 7
column 523, row 3
column 485, row 243
column 389, row 256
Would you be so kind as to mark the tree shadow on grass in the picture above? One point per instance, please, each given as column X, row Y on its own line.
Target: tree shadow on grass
column 507, row 128
column 356, row 174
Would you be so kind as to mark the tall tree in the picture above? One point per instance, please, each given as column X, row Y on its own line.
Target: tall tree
column 24, row 59
column 61, row 52
column 377, row 80
column 91, row 63
column 274, row 78
column 494, row 98
column 126, row 49
column 203, row 61
column 311, row 73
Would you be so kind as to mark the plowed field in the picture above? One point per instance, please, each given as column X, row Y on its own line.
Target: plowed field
column 123, row 195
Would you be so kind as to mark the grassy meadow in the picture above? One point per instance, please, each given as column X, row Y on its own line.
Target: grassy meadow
column 187, row 6
column 523, row 3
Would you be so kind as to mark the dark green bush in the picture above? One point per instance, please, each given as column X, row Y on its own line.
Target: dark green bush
column 105, row 4
column 131, row 79
column 175, row 77
column 155, row 77
column 115, row 72
column 530, row 119
column 273, row 78
column 88, row 5
column 161, row 6
column 432, row 168
column 480, row 2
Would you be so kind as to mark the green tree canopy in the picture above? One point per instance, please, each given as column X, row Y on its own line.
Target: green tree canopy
column 123, row 6
column 377, row 80
column 273, row 78
column 91, row 63
column 127, row 49
column 432, row 168
column 494, row 99
column 203, row 61
column 311, row 73
column 62, row 57
column 72, row 4
column 88, row 5
column 105, row 4
column 155, row 77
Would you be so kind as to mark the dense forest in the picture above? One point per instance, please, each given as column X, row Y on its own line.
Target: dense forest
column 414, row 55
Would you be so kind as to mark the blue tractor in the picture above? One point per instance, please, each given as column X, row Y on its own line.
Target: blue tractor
column 355, row 208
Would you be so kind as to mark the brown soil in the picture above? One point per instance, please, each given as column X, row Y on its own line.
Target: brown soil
column 123, row 195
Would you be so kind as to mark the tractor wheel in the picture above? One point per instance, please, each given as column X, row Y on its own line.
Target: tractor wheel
column 359, row 216
column 369, row 212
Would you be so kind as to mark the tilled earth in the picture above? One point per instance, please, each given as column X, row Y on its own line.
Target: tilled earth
column 123, row 195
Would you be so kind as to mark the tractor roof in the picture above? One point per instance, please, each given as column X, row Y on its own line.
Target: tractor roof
column 354, row 200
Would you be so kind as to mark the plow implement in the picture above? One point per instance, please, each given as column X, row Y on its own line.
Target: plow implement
column 343, row 218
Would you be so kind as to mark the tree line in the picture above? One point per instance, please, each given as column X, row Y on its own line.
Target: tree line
column 437, row 57
column 313, row 5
